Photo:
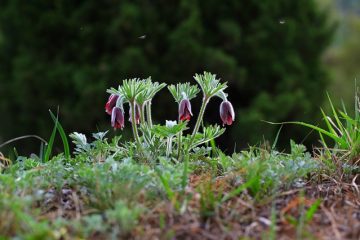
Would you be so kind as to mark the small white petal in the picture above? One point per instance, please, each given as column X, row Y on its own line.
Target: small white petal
column 170, row 123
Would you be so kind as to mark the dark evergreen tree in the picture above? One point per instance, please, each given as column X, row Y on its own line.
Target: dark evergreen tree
column 66, row 53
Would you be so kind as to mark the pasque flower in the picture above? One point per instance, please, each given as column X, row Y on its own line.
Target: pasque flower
column 117, row 118
column 227, row 113
column 111, row 103
column 185, row 110
column 137, row 114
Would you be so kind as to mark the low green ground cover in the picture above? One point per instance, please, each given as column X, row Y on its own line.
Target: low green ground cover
column 169, row 183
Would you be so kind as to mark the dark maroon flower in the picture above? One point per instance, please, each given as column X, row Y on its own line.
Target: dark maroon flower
column 185, row 110
column 227, row 113
column 110, row 104
column 137, row 114
column 117, row 118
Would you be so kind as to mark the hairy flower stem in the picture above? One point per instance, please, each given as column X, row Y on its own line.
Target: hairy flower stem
column 199, row 120
column 179, row 145
column 133, row 123
column 196, row 129
column 148, row 113
column 142, row 113
column 185, row 172
column 168, row 146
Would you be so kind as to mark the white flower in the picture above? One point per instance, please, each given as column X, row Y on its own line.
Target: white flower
column 170, row 123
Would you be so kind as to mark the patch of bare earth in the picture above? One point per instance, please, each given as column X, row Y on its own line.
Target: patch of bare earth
column 241, row 217
column 337, row 217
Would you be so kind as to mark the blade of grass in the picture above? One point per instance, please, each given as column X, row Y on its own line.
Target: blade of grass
column 323, row 131
column 323, row 141
column 347, row 118
column 327, row 122
column 238, row 190
column 312, row 210
column 214, row 149
column 272, row 232
column 340, row 125
column 184, row 177
column 22, row 137
column 166, row 185
column 48, row 148
column 276, row 138
column 62, row 135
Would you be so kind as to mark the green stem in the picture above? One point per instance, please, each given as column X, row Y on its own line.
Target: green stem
column 142, row 113
column 179, row 145
column 168, row 146
column 148, row 113
column 196, row 129
column 199, row 120
column 185, row 172
column 133, row 123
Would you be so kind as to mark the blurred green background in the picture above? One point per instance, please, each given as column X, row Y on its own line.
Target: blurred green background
column 278, row 56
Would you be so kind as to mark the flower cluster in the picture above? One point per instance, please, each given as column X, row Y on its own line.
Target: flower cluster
column 139, row 94
column 227, row 113
column 114, row 107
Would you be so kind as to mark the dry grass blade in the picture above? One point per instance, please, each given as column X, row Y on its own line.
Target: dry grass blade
column 4, row 162
column 334, row 225
column 22, row 137
column 356, row 186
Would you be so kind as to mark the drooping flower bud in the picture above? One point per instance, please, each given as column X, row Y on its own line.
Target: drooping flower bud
column 110, row 104
column 117, row 118
column 227, row 113
column 137, row 113
column 185, row 110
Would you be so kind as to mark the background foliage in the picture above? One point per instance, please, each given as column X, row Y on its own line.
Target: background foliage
column 342, row 57
column 66, row 53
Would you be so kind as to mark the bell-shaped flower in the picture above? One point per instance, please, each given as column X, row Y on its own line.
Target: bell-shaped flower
column 111, row 103
column 227, row 113
column 185, row 110
column 137, row 114
column 117, row 118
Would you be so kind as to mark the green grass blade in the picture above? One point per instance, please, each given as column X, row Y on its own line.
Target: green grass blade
column 62, row 135
column 165, row 184
column 328, row 124
column 312, row 210
column 276, row 138
column 323, row 131
column 350, row 128
column 323, row 140
column 272, row 230
column 343, row 106
column 340, row 125
column 347, row 118
column 184, row 176
column 51, row 142
column 326, row 148
column 214, row 149
column 239, row 189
